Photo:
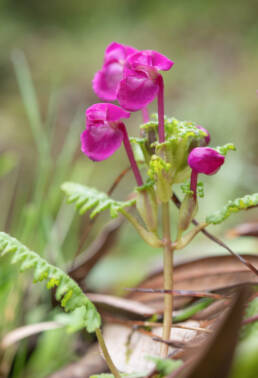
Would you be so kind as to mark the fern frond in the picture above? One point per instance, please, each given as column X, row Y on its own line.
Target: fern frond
column 231, row 207
column 87, row 198
column 68, row 292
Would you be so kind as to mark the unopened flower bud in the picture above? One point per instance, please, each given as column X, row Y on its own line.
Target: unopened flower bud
column 205, row 160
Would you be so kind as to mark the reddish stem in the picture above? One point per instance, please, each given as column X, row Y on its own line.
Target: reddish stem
column 161, row 109
column 193, row 185
column 145, row 114
column 130, row 155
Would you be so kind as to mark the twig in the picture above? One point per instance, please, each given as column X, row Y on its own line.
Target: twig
column 141, row 323
column 117, row 180
column 179, row 293
column 252, row 319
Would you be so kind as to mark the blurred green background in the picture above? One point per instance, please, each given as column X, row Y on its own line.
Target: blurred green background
column 60, row 45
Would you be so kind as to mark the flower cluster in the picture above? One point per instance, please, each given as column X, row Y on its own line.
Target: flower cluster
column 133, row 78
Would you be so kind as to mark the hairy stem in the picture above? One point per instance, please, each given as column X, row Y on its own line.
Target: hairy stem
column 130, row 155
column 108, row 359
column 161, row 109
column 168, row 279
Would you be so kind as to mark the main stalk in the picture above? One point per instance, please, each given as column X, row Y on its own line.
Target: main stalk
column 168, row 279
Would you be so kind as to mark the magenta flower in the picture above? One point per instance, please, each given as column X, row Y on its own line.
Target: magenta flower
column 203, row 160
column 104, row 134
column 105, row 82
column 140, row 83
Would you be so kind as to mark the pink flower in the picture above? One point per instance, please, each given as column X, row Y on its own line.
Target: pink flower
column 141, row 79
column 205, row 160
column 106, row 80
column 102, row 136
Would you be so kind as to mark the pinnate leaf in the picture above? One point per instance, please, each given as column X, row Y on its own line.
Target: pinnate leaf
column 244, row 203
column 68, row 292
column 87, row 198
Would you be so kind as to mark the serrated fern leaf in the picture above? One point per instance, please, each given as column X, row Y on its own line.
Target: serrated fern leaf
column 87, row 198
column 231, row 207
column 68, row 292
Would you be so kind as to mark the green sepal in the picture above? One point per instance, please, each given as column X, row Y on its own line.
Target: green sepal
column 141, row 152
column 147, row 206
column 243, row 203
column 87, row 198
column 181, row 138
column 200, row 189
column 159, row 171
column 68, row 292
column 187, row 212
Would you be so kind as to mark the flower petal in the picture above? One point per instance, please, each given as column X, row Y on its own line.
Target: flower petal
column 150, row 58
column 118, row 52
column 136, row 91
column 160, row 61
column 99, row 141
column 105, row 112
column 105, row 81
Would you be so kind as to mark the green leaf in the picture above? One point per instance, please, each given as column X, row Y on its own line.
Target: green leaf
column 165, row 366
column 223, row 150
column 244, row 203
column 87, row 198
column 68, row 292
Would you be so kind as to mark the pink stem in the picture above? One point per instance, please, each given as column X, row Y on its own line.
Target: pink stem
column 193, row 185
column 145, row 114
column 130, row 155
column 161, row 109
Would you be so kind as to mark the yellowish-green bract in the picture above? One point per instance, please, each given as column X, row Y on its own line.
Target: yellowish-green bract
column 68, row 292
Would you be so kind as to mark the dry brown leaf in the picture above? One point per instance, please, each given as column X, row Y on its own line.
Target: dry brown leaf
column 22, row 332
column 214, row 357
column 244, row 229
column 209, row 274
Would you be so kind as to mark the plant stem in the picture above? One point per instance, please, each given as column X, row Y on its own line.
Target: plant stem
column 193, row 185
column 108, row 359
column 161, row 109
column 168, row 279
column 130, row 155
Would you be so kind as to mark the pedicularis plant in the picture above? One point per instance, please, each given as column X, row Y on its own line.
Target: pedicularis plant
column 171, row 152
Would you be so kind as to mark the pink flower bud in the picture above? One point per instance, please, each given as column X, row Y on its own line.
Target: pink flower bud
column 205, row 160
